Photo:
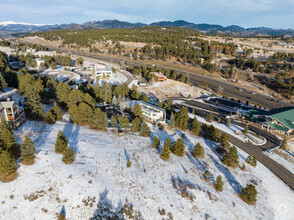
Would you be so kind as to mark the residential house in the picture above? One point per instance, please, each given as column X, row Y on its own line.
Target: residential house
column 11, row 112
column 159, row 76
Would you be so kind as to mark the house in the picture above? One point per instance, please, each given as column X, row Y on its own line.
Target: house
column 101, row 70
column 159, row 76
column 153, row 113
column 11, row 112
column 279, row 120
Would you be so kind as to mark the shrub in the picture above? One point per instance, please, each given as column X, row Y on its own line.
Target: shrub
column 129, row 163
column 209, row 117
column 207, row 175
column 156, row 142
column 7, row 167
column 198, row 151
column 219, row 184
column 251, row 160
column 68, row 155
column 178, row 148
column 28, row 151
column 231, row 158
column 249, row 194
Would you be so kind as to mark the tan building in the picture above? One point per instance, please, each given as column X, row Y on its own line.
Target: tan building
column 11, row 112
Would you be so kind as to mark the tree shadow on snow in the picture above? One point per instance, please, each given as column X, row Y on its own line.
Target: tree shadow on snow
column 227, row 173
column 72, row 131
column 196, row 162
column 127, row 156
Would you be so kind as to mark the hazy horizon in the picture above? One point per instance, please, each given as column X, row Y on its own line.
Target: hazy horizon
column 244, row 13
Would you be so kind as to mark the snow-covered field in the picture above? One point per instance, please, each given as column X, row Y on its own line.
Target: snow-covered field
column 42, row 190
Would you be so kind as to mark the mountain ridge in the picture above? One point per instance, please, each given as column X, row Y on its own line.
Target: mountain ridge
column 10, row 28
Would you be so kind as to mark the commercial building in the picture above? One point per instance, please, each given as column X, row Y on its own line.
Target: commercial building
column 101, row 70
column 153, row 113
column 11, row 112
column 279, row 120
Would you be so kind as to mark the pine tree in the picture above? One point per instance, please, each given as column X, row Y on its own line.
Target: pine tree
column 68, row 155
column 113, row 121
column 284, row 144
column 50, row 118
column 138, row 111
column 56, row 110
column 209, row 117
column 246, row 129
column 251, row 160
column 7, row 140
column 207, row 176
column 231, row 158
column 145, row 130
column 156, row 142
column 8, row 167
column 136, row 123
column 249, row 194
column 129, row 163
column 178, row 148
column 198, row 151
column 195, row 127
column 28, row 151
column 89, row 100
column 182, row 118
column 225, row 145
column 219, row 184
column 3, row 83
column 172, row 120
column 168, row 143
column 165, row 154
column 61, row 143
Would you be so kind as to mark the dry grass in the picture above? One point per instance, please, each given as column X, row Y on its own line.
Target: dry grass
column 11, row 177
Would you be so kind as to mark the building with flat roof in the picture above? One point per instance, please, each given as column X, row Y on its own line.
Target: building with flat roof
column 280, row 120
column 11, row 112
column 159, row 76
column 101, row 70
column 153, row 113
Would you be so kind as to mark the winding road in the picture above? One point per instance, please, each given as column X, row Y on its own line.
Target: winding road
column 285, row 175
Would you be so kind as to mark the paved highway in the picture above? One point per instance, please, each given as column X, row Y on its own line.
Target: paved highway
column 228, row 89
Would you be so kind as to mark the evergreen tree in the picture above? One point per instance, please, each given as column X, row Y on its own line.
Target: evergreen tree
column 138, row 111
column 68, row 155
column 182, row 118
column 3, row 83
column 7, row 167
column 124, row 122
column 284, row 144
column 99, row 119
column 246, row 129
column 156, row 142
column 7, row 140
column 178, row 148
column 198, row 151
column 145, row 130
column 251, row 160
column 136, row 123
column 113, row 121
column 209, row 117
column 56, row 110
column 195, row 127
column 89, row 100
column 231, row 158
column 165, row 154
column 225, row 145
column 50, row 118
column 172, row 120
column 28, row 151
column 249, row 194
column 168, row 143
column 61, row 143
column 219, row 184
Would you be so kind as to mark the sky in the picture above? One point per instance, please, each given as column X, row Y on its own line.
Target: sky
column 246, row 13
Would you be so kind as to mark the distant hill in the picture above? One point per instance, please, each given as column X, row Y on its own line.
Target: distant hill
column 12, row 28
